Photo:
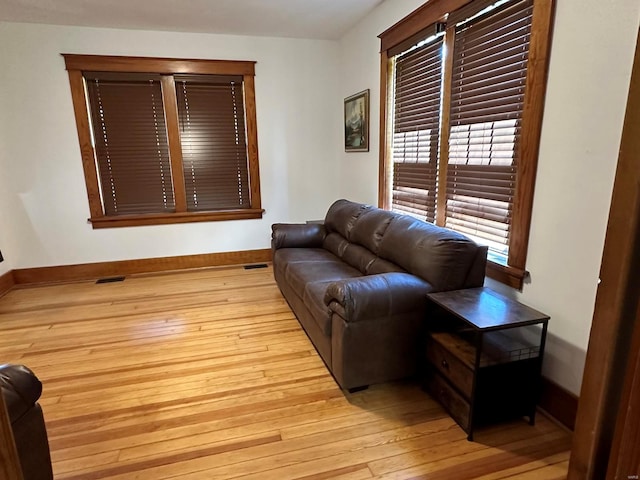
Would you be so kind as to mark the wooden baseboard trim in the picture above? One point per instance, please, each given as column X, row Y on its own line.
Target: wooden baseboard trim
column 559, row 403
column 88, row 271
column 7, row 282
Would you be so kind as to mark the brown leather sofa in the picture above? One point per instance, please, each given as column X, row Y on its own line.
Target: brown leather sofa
column 21, row 390
column 358, row 286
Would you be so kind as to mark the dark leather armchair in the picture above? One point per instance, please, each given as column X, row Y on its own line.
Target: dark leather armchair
column 21, row 390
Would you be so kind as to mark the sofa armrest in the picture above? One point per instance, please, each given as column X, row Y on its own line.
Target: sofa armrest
column 21, row 389
column 297, row 235
column 374, row 296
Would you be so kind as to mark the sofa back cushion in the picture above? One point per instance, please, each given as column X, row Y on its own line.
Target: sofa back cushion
column 335, row 243
column 440, row 256
column 369, row 228
column 358, row 257
column 380, row 265
column 379, row 241
column 342, row 216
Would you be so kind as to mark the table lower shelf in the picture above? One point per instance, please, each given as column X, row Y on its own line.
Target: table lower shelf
column 503, row 392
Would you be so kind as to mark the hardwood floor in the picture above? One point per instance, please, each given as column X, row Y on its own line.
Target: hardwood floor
column 207, row 374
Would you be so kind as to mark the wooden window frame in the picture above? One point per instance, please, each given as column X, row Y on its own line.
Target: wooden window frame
column 77, row 64
column 410, row 28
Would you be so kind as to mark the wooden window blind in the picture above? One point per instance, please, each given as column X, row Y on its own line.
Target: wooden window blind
column 416, row 129
column 214, row 147
column 488, row 86
column 166, row 140
column 131, row 144
column 494, row 73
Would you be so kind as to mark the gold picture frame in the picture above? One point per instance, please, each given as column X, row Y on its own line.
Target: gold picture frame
column 356, row 122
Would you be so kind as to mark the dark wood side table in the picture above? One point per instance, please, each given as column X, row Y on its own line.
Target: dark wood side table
column 483, row 356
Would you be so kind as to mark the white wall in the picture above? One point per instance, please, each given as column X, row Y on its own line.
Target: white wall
column 590, row 67
column 6, row 232
column 44, row 203
column 6, row 237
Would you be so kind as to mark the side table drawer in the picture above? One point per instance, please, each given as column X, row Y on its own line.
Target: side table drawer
column 452, row 401
column 450, row 367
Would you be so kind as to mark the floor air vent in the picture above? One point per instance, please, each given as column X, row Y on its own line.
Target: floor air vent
column 110, row 280
column 257, row 265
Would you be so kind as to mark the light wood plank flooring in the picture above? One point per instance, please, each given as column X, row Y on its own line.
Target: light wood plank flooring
column 207, row 375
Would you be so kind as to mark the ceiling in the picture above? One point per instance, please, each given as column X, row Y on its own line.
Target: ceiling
column 320, row 19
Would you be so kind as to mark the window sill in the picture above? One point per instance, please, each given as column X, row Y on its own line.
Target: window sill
column 169, row 218
column 510, row 276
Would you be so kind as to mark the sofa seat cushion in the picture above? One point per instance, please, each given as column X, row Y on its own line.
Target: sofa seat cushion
column 314, row 300
column 289, row 255
column 285, row 256
column 299, row 274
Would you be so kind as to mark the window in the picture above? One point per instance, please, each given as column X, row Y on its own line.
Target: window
column 416, row 130
column 166, row 140
column 462, row 95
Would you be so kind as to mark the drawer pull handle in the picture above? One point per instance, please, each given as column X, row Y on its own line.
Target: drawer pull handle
column 444, row 364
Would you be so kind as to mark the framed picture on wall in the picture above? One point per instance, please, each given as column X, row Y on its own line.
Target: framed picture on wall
column 356, row 122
